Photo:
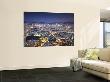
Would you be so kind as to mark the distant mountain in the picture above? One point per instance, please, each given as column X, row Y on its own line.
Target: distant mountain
column 61, row 23
column 49, row 23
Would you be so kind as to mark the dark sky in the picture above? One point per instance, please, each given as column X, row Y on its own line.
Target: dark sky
column 48, row 17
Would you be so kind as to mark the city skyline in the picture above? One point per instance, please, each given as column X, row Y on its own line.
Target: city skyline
column 43, row 29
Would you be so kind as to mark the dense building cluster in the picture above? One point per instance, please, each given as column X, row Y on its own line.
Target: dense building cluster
column 48, row 34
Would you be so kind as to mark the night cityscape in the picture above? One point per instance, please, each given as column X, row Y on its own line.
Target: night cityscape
column 48, row 29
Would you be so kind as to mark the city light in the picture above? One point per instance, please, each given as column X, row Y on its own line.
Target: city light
column 49, row 33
